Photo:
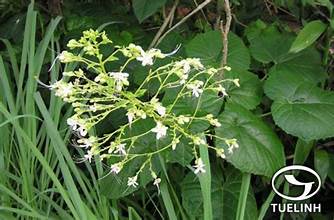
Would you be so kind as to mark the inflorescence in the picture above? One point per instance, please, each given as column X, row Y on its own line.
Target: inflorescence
column 96, row 92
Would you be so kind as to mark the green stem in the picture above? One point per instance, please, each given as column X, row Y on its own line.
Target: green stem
column 243, row 196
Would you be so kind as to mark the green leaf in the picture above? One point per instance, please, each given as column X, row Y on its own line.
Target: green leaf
column 266, row 43
column 133, row 215
column 266, row 46
column 208, row 102
column 321, row 164
column 307, row 63
column 114, row 186
column 300, row 108
column 308, row 35
column 211, row 53
column 249, row 94
column 205, row 182
column 238, row 57
column 224, row 196
column 206, row 46
column 183, row 154
column 231, row 192
column 260, row 151
column 145, row 8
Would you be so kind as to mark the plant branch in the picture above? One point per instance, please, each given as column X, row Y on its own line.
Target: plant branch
column 225, row 30
column 164, row 25
column 202, row 5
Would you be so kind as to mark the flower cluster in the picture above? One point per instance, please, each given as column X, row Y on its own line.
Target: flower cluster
column 95, row 92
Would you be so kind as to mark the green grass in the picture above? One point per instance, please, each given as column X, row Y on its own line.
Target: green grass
column 39, row 179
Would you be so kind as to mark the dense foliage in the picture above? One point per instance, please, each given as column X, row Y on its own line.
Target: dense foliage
column 191, row 124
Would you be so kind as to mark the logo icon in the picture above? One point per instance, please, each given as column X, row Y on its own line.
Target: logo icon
column 290, row 178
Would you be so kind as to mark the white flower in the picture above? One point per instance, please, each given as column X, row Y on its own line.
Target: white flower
column 130, row 114
column 215, row 123
column 174, row 143
column 93, row 107
column 146, row 58
column 198, row 141
column 158, row 107
column 184, row 65
column 230, row 150
column 120, row 149
column 160, row 129
column 156, row 183
column 220, row 153
column 132, row 181
column 133, row 50
column 72, row 123
column 115, row 168
column 236, row 82
column 87, row 142
column 102, row 78
column 121, row 79
column 63, row 89
column 227, row 68
column 66, row 57
column 89, row 156
column 196, row 88
column 82, row 131
column 161, row 110
column 182, row 119
column 75, row 125
column 222, row 90
column 212, row 71
column 183, row 79
column 196, row 63
column 232, row 144
column 199, row 166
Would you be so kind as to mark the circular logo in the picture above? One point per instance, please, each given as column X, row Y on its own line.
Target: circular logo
column 290, row 178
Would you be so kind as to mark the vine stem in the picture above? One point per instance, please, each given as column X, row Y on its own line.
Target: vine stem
column 243, row 196
column 199, row 7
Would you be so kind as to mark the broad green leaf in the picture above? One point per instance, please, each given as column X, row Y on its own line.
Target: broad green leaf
column 238, row 57
column 266, row 46
column 266, row 43
column 308, row 35
column 321, row 164
column 206, row 46
column 209, row 46
column 300, row 108
column 145, row 8
column 260, row 151
column 249, row 93
column 183, row 154
column 208, row 102
column 224, row 196
column 307, row 63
